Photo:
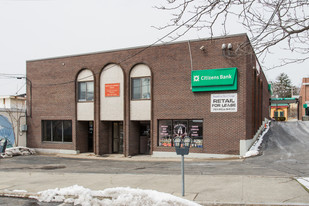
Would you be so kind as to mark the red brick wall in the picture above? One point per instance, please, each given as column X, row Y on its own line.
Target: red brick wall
column 54, row 92
column 304, row 93
column 300, row 107
column 257, row 96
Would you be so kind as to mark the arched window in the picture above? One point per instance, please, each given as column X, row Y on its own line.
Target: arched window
column 140, row 83
column 140, row 104
column 85, row 95
column 85, row 86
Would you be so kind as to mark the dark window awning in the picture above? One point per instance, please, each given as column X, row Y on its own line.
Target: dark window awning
column 283, row 100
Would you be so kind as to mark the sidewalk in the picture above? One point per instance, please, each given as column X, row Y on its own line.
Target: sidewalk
column 203, row 189
column 147, row 158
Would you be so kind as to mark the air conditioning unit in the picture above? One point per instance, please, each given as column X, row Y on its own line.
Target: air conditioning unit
column 23, row 128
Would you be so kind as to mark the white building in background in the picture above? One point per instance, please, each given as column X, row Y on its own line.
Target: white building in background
column 13, row 119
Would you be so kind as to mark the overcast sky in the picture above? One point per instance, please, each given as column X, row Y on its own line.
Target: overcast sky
column 35, row 29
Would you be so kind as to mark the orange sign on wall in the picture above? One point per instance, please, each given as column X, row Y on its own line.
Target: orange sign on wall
column 112, row 90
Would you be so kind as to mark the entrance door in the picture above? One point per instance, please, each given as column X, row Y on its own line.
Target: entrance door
column 118, row 137
column 90, row 137
column 144, row 145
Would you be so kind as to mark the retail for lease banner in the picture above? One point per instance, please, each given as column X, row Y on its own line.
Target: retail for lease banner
column 223, row 102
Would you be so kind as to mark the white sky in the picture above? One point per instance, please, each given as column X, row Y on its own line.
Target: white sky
column 35, row 29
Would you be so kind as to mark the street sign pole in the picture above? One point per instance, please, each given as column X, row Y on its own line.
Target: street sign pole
column 183, row 175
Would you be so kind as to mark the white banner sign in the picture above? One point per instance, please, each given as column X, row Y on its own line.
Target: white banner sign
column 223, row 102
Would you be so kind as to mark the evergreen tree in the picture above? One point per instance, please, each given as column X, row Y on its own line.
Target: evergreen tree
column 282, row 86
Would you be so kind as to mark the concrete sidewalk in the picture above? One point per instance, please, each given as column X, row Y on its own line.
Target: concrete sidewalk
column 203, row 189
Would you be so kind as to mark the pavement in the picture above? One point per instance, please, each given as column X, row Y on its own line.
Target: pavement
column 203, row 189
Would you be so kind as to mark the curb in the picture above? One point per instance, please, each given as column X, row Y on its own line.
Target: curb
column 252, row 204
column 27, row 195
column 139, row 158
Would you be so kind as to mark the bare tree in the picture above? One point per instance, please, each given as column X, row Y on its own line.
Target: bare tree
column 268, row 22
column 15, row 113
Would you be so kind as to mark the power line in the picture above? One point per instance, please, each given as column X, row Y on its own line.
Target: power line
column 21, row 87
column 11, row 76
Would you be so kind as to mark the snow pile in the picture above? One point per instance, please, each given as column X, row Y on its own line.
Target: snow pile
column 254, row 150
column 304, row 181
column 16, row 151
column 19, row 191
column 79, row 195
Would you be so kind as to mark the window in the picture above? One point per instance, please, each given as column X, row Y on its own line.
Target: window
column 168, row 129
column 56, row 130
column 85, row 91
column 141, row 88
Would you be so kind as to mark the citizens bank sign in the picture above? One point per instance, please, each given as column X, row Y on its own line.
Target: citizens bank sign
column 214, row 80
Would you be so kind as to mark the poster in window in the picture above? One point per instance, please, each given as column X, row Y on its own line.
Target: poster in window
column 165, row 133
column 196, row 133
column 112, row 90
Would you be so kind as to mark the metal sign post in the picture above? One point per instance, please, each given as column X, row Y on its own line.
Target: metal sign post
column 183, row 174
column 182, row 146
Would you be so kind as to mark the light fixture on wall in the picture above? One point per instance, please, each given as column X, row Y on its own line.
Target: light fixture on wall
column 230, row 46
column 223, row 47
column 227, row 50
column 202, row 48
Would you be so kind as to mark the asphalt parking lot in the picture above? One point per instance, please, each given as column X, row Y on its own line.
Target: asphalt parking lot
column 267, row 178
column 284, row 153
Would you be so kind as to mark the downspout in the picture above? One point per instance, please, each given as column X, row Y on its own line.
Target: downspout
column 190, row 62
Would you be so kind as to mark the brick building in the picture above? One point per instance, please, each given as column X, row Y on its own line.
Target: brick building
column 304, row 100
column 134, row 101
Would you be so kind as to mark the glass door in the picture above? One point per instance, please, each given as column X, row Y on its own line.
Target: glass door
column 118, row 137
column 90, row 137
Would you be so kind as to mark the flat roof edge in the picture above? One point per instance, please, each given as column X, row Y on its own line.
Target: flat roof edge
column 139, row 47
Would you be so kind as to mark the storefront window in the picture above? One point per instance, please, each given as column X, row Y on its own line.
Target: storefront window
column 196, row 133
column 67, row 131
column 56, row 131
column 46, row 130
column 168, row 129
column 165, row 133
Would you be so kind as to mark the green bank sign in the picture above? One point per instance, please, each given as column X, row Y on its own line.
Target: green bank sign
column 214, row 79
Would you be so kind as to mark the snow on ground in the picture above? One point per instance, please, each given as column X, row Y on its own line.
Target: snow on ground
column 304, row 181
column 16, row 151
column 79, row 195
column 254, row 150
